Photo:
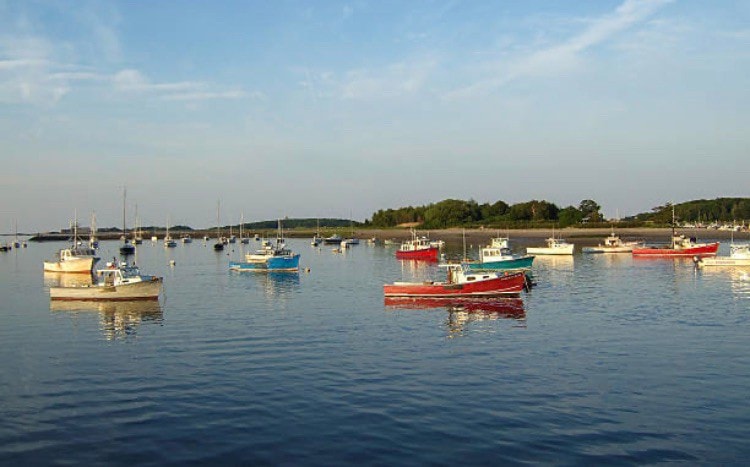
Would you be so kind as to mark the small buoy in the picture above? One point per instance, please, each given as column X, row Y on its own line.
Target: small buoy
column 307, row 269
column 172, row 262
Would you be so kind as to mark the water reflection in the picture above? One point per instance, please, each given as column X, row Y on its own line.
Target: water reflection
column 117, row 320
column 462, row 312
column 416, row 270
column 274, row 284
column 737, row 277
column 556, row 262
column 59, row 279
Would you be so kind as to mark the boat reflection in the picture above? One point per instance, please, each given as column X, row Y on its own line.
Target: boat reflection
column 554, row 262
column 117, row 319
column 462, row 312
column 274, row 283
column 738, row 278
column 60, row 279
column 418, row 270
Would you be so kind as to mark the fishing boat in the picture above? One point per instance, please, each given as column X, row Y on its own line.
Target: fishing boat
column 116, row 282
column 461, row 283
column 272, row 256
column 497, row 255
column 612, row 244
column 317, row 239
column 79, row 258
column 739, row 255
column 555, row 246
column 680, row 246
column 186, row 238
column 5, row 247
column 418, row 248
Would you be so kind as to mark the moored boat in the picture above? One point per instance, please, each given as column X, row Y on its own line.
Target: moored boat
column 555, row 246
column 739, row 255
column 681, row 246
column 116, row 282
column 417, row 248
column 334, row 239
column 612, row 244
column 497, row 255
column 79, row 258
column 461, row 283
column 272, row 256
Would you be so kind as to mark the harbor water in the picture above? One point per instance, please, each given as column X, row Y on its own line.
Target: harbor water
column 609, row 359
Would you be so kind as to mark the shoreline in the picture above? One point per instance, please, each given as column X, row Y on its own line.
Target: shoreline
column 448, row 235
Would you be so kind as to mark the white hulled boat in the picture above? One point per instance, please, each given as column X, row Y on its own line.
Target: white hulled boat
column 739, row 255
column 555, row 246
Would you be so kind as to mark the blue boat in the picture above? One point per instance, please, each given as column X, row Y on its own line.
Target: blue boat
column 498, row 256
column 272, row 256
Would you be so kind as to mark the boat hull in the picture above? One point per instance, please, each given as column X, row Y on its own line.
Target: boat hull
column 73, row 266
column 608, row 249
column 511, row 284
column 146, row 290
column 566, row 250
column 708, row 249
column 427, row 254
column 276, row 263
column 508, row 264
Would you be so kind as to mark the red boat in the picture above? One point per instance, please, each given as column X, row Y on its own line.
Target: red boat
column 461, row 284
column 417, row 248
column 681, row 247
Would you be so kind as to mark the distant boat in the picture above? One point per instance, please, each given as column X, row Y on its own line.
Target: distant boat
column 418, row 248
column 243, row 240
column 497, row 255
column 168, row 241
column 334, row 239
column 555, row 246
column 317, row 239
column 186, row 238
column 612, row 244
column 739, row 255
column 219, row 245
column 115, row 283
column 273, row 256
column 461, row 283
column 126, row 248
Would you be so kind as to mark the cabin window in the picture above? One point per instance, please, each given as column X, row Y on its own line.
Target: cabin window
column 470, row 278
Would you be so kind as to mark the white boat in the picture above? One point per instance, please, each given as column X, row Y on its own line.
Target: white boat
column 114, row 283
column 739, row 255
column 79, row 258
column 555, row 246
column 612, row 244
column 187, row 239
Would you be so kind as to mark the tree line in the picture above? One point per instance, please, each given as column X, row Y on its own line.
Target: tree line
column 700, row 211
column 456, row 213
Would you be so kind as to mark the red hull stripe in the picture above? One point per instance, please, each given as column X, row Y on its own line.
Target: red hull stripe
column 709, row 249
column 511, row 284
column 427, row 253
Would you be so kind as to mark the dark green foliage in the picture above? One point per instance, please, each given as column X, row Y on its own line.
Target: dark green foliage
column 705, row 211
column 570, row 216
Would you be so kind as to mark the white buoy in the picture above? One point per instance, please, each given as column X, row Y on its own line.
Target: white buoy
column 172, row 262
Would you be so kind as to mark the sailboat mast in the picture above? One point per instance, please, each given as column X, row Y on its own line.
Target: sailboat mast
column 124, row 196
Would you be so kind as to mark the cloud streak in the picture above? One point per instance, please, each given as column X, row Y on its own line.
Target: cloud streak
column 563, row 56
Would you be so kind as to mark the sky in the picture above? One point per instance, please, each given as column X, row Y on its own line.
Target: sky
column 341, row 108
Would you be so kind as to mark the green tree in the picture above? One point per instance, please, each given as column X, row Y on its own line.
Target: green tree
column 570, row 216
column 590, row 209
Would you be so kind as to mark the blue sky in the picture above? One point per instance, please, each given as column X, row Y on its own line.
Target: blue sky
column 332, row 109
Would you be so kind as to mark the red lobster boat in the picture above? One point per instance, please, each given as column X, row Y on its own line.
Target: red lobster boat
column 461, row 283
column 417, row 248
column 681, row 247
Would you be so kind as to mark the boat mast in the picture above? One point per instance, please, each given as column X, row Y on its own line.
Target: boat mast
column 124, row 196
column 673, row 226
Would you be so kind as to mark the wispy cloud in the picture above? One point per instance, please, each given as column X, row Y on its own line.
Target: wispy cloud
column 396, row 80
column 563, row 56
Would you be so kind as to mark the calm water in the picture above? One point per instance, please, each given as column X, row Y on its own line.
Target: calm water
column 609, row 359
